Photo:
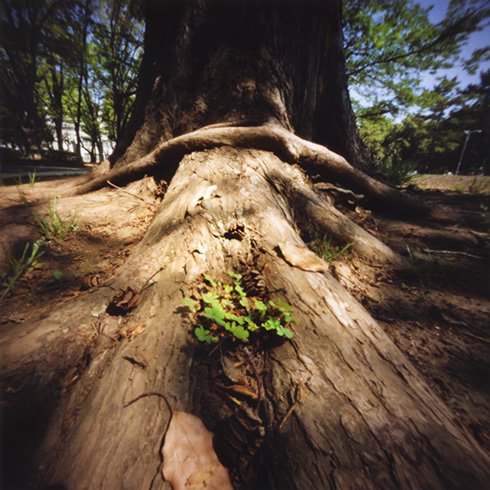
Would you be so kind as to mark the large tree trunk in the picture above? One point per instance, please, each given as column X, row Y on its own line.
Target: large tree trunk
column 338, row 406
column 243, row 63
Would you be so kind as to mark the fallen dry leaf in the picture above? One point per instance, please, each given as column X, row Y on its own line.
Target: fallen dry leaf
column 90, row 281
column 242, row 390
column 132, row 331
column 189, row 459
column 302, row 258
column 124, row 301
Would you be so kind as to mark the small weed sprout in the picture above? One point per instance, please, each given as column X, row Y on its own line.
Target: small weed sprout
column 225, row 312
column 20, row 266
column 327, row 250
column 32, row 177
column 476, row 186
column 54, row 227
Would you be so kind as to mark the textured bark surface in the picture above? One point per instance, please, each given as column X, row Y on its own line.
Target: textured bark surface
column 340, row 393
column 338, row 406
column 245, row 62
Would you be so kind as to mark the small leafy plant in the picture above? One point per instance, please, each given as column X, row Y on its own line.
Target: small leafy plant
column 225, row 312
column 54, row 227
column 19, row 266
column 327, row 250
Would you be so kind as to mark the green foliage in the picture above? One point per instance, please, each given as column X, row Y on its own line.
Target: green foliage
column 389, row 46
column 432, row 142
column 396, row 172
column 327, row 250
column 54, row 227
column 57, row 274
column 225, row 312
column 18, row 267
column 62, row 60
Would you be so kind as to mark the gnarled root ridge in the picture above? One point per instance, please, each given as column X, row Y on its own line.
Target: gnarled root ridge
column 345, row 409
column 290, row 148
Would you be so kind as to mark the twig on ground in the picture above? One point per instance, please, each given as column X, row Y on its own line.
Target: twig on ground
column 473, row 336
column 130, row 193
column 451, row 252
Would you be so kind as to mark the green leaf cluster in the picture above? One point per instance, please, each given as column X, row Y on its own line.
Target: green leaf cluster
column 391, row 47
column 225, row 312
column 432, row 141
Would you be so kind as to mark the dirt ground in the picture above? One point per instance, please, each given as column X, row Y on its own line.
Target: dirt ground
column 436, row 311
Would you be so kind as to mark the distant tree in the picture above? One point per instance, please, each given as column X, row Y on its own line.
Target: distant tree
column 24, row 27
column 118, row 42
column 83, row 17
column 432, row 140
column 471, row 113
column 388, row 44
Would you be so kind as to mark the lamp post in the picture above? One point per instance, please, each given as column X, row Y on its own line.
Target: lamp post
column 468, row 133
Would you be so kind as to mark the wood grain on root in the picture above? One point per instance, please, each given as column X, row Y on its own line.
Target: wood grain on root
column 287, row 146
column 312, row 211
column 366, row 419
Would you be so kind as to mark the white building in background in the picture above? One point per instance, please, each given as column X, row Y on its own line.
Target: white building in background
column 69, row 143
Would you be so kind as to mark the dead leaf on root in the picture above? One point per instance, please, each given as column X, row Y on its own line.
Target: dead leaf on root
column 302, row 258
column 90, row 281
column 130, row 332
column 189, row 459
column 124, row 301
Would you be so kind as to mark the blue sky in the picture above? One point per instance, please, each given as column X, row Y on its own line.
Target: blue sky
column 477, row 40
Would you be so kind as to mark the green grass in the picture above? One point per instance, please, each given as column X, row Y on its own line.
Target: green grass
column 32, row 177
column 54, row 227
column 18, row 267
column 327, row 250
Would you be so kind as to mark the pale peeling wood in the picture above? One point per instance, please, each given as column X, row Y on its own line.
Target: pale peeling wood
column 302, row 258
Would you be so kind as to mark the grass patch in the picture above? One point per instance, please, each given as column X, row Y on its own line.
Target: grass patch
column 18, row 267
column 328, row 250
column 54, row 227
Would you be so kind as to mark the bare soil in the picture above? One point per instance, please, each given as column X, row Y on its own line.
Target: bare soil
column 436, row 311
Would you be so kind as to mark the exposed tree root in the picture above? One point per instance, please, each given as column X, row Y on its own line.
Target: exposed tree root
column 287, row 146
column 313, row 211
column 366, row 417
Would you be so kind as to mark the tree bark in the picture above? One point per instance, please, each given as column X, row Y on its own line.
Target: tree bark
column 336, row 407
column 363, row 418
column 224, row 74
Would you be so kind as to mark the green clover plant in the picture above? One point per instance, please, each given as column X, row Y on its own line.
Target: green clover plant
column 225, row 311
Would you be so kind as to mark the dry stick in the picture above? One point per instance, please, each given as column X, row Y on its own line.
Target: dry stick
column 171, row 413
column 451, row 252
column 283, row 143
column 129, row 193
column 473, row 336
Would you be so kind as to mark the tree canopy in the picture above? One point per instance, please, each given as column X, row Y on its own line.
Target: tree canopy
column 69, row 73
